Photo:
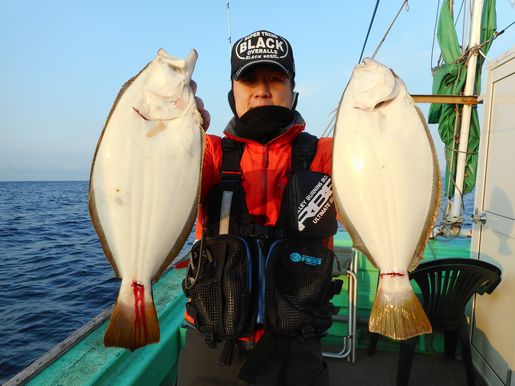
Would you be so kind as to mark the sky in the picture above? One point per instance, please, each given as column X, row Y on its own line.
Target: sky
column 63, row 63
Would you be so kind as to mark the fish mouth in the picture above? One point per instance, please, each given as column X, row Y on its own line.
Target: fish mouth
column 140, row 114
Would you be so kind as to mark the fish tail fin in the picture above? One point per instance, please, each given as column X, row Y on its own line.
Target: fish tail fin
column 397, row 312
column 133, row 325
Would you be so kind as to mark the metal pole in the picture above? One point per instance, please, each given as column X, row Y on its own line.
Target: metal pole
column 475, row 31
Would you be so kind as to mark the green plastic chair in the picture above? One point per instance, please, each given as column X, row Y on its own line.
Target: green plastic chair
column 446, row 287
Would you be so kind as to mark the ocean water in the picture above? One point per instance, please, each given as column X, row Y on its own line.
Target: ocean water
column 54, row 277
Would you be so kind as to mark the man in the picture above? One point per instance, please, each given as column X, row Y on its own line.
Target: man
column 259, row 279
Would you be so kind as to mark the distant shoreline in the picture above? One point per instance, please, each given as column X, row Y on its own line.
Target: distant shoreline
column 44, row 181
column 442, row 173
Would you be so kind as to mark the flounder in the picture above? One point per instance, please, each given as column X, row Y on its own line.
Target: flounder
column 387, row 186
column 144, row 188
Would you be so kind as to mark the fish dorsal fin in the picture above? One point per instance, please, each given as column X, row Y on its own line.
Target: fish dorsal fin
column 373, row 84
column 166, row 91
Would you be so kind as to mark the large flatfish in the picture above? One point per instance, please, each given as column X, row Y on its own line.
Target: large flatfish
column 144, row 187
column 387, row 187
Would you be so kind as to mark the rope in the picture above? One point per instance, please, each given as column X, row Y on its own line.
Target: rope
column 330, row 127
column 464, row 24
column 462, row 6
column 368, row 32
column 389, row 28
column 440, row 60
column 478, row 47
column 434, row 34
column 460, row 152
column 493, row 37
column 513, row 22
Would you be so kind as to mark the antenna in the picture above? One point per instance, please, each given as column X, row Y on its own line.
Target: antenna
column 389, row 28
column 229, row 25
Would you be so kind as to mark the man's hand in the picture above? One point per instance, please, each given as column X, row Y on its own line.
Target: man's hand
column 206, row 117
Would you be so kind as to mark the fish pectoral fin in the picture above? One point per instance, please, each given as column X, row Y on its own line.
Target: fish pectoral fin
column 157, row 127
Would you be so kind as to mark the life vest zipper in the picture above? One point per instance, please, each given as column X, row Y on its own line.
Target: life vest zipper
column 264, row 183
column 260, row 243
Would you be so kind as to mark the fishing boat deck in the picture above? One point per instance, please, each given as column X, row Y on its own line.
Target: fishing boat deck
column 380, row 369
column 82, row 358
column 430, row 366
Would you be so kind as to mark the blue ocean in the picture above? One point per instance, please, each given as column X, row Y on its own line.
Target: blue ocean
column 53, row 273
column 54, row 277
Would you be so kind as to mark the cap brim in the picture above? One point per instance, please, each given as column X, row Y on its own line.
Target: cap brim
column 247, row 66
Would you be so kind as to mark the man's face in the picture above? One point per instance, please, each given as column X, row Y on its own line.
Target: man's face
column 262, row 85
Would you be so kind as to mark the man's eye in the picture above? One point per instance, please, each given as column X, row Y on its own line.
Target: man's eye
column 247, row 79
column 276, row 79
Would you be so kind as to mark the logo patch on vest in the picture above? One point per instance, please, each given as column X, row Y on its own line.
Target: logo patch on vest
column 310, row 260
column 316, row 203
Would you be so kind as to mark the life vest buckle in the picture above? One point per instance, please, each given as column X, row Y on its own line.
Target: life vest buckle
column 209, row 335
column 251, row 229
column 230, row 175
column 307, row 332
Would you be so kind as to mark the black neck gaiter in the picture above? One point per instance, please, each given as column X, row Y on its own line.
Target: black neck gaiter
column 264, row 123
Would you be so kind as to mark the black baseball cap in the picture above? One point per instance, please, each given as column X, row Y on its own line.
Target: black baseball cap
column 262, row 47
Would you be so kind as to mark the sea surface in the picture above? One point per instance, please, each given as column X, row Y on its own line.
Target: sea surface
column 54, row 277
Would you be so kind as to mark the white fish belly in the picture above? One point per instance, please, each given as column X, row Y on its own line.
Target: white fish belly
column 145, row 186
column 383, row 176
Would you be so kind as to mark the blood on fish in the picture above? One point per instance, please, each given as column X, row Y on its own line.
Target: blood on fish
column 121, row 193
column 139, row 307
column 392, row 274
column 394, row 202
